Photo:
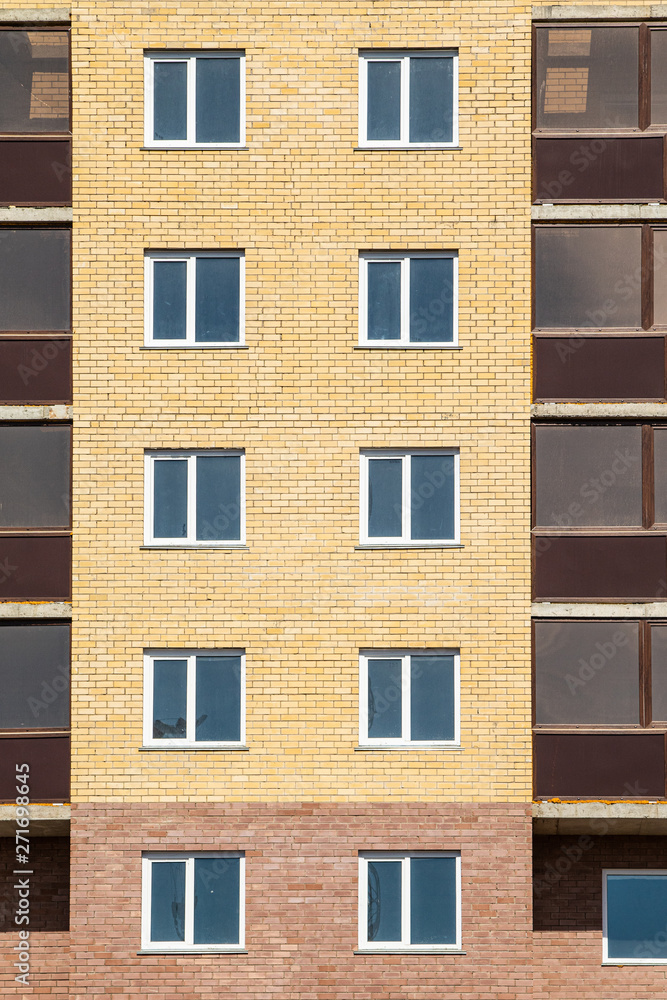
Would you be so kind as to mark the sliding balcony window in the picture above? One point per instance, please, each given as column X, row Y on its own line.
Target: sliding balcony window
column 35, row 280
column 35, row 476
column 34, row 81
column 35, row 676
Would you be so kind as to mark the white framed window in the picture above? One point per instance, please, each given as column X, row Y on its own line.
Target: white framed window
column 408, row 299
column 409, row 699
column 410, row 901
column 194, row 299
column 194, row 698
column 408, row 99
column 193, row 902
column 195, row 498
column 194, row 99
column 409, row 498
column 634, row 916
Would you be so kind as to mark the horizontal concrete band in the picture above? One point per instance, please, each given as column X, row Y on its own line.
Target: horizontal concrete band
column 567, row 12
column 655, row 609
column 60, row 412
column 600, row 818
column 598, row 213
column 14, row 214
column 33, row 15
column 556, row 411
column 45, row 821
column 33, row 609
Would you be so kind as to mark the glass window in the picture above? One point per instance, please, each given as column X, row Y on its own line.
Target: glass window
column 408, row 99
column 34, row 676
column 195, row 100
column 194, row 300
column 35, row 279
column 659, row 673
column 34, row 81
column 35, row 475
column 193, row 902
column 408, row 498
column 409, row 698
column 408, row 299
column 194, row 498
column 194, row 699
column 634, row 916
column 409, row 901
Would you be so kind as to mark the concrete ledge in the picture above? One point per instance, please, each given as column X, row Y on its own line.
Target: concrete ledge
column 597, row 213
column 555, row 411
column 45, row 821
column 657, row 609
column 41, row 609
column 565, row 12
column 21, row 215
column 599, row 819
column 58, row 412
column 33, row 15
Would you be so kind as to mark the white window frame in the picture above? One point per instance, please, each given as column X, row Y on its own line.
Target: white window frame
column 405, row 541
column 404, row 944
column 190, row 258
column 188, row 742
column 403, row 56
column 405, row 656
column 189, row 57
column 147, row 860
column 404, row 260
column 190, row 541
column 606, row 960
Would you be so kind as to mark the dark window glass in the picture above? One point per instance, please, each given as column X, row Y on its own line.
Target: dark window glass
column 169, row 297
column 383, row 122
column 585, row 277
column 218, row 705
column 637, row 916
column 659, row 77
column 32, row 656
column 432, row 708
column 35, row 476
column 385, row 698
column 384, row 300
column 432, row 900
column 168, row 901
column 431, row 300
column 170, row 101
column 660, row 277
column 588, row 475
column 34, row 279
column 384, row 900
column 217, row 298
column 588, row 78
column 218, row 497
column 431, row 99
column 218, row 100
column 660, row 473
column 169, row 699
column 432, row 496
column 385, row 477
column 34, row 81
column 586, row 673
column 659, row 673
column 217, row 896
column 170, row 503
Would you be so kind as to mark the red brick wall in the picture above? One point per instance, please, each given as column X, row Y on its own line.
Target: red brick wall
column 301, row 901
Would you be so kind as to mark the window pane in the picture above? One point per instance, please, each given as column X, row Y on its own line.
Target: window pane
column 432, row 714
column 169, row 699
column 431, row 299
column 30, row 657
column 169, row 280
column 432, row 496
column 383, row 121
column 35, row 279
column 170, row 503
column 431, row 99
column 659, row 77
column 168, row 901
column 432, row 900
column 660, row 473
column 384, row 497
column 660, row 277
column 218, row 698
column 584, row 276
column 170, row 100
column 217, row 299
column 34, row 81
column 588, row 476
column 587, row 77
column 385, row 697
column 219, row 498
column 637, row 916
column 586, row 673
column 384, row 300
column 384, row 900
column 218, row 100
column 34, row 476
column 217, row 895
column 659, row 673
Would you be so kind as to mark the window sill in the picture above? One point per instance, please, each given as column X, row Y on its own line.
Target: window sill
column 620, row 962
column 387, row 346
column 420, row 147
column 194, row 347
column 189, row 747
column 225, row 148
column 178, row 546
column 411, row 747
column 408, row 545
column 214, row 950
column 416, row 950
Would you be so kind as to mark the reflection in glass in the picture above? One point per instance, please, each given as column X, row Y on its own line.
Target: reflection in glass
column 169, row 699
column 383, row 122
column 384, row 900
column 168, row 901
column 217, row 900
column 218, row 692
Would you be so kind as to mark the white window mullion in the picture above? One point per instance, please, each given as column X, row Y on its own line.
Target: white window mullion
column 189, row 901
column 406, row 470
column 192, row 498
column 405, row 902
column 406, row 734
column 192, row 100
column 405, row 99
column 190, row 298
column 191, row 699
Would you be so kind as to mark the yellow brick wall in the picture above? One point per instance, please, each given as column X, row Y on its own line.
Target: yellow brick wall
column 302, row 599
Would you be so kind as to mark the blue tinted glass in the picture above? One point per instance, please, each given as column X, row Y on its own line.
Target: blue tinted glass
column 168, row 901
column 219, row 498
column 637, row 916
column 169, row 278
column 218, row 698
column 384, row 300
column 384, row 900
column 383, row 120
column 385, row 699
column 384, row 498
column 169, row 699
column 170, row 100
column 170, row 499
column 432, row 496
column 218, row 100
column 431, row 300
column 217, row 299
column 432, row 698
column 217, row 896
column 432, row 900
column 431, row 99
